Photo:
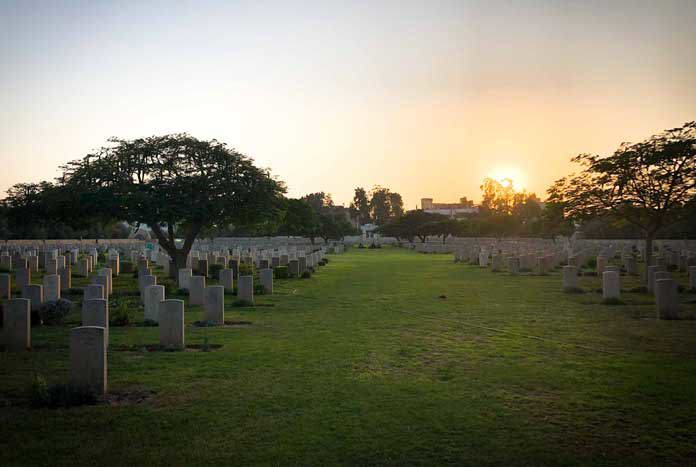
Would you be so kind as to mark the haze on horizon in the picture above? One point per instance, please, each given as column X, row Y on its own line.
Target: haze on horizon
column 426, row 98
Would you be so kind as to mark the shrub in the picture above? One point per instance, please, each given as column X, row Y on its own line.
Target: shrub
column 52, row 313
column 150, row 323
column 5, row 270
column 306, row 275
column 573, row 290
column 121, row 314
column 281, row 272
column 361, row 245
column 326, row 260
column 214, row 270
column 240, row 303
column 592, row 263
column 259, row 290
column 38, row 392
column 245, row 269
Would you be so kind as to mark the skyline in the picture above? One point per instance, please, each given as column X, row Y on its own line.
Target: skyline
column 425, row 100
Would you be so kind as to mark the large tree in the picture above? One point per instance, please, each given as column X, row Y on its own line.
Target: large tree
column 174, row 183
column 300, row 219
column 361, row 205
column 651, row 184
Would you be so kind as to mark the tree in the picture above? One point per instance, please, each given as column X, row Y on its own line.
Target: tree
column 300, row 220
column 361, row 205
column 651, row 184
column 441, row 228
column 173, row 183
column 410, row 225
column 334, row 227
column 319, row 200
column 396, row 205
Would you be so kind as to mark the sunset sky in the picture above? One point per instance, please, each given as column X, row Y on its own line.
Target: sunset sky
column 426, row 98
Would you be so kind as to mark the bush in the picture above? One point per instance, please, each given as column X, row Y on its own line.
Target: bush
column 53, row 313
column 5, row 270
column 121, row 314
column 76, row 291
column 259, row 290
column 126, row 267
column 245, row 269
column 592, row 263
column 573, row 290
column 150, row 323
column 240, row 303
column 214, row 270
column 281, row 272
column 59, row 395
column 361, row 245
column 306, row 275
column 326, row 260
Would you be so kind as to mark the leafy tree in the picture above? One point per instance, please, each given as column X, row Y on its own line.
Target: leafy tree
column 361, row 205
column 300, row 220
column 173, row 183
column 651, row 184
column 410, row 225
column 441, row 228
column 319, row 200
column 396, row 205
column 334, row 227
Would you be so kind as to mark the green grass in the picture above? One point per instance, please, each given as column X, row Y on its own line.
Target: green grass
column 365, row 364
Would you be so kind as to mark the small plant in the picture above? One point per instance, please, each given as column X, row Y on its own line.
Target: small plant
column 592, row 263
column 5, row 270
column 53, row 313
column 361, row 245
column 306, row 275
column 126, row 267
column 38, row 392
column 76, row 291
column 245, row 269
column 259, row 289
column 151, row 323
column 573, row 290
column 121, row 314
column 242, row 303
column 281, row 272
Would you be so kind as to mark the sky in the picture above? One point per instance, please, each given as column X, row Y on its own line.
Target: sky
column 426, row 98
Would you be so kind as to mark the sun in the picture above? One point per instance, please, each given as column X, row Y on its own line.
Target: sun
column 510, row 176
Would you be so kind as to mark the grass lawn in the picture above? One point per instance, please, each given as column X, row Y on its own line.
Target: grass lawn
column 365, row 364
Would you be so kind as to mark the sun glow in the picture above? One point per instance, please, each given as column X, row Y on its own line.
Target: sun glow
column 510, row 175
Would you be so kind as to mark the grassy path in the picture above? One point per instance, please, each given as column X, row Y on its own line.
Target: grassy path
column 365, row 364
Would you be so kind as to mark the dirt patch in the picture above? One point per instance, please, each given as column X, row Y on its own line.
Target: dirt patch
column 129, row 397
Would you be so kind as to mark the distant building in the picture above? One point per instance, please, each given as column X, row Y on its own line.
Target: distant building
column 452, row 210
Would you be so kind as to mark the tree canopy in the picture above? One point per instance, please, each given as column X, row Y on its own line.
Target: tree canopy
column 173, row 183
column 651, row 184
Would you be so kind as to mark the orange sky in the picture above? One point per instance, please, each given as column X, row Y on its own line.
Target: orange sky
column 426, row 98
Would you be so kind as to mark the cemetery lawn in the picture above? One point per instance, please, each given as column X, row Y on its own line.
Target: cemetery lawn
column 365, row 364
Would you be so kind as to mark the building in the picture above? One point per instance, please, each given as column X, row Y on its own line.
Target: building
column 452, row 210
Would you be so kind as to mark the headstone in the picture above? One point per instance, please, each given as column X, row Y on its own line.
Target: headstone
column 234, row 266
column 33, row 263
column 88, row 358
column 102, row 281
column 650, row 273
column 196, row 290
column 667, row 299
column 302, row 263
column 266, row 279
column 245, row 288
column 95, row 312
column 611, row 285
column 22, row 278
column 145, row 282
column 154, row 294
column 171, row 323
column 185, row 278
column 601, row 264
column 632, row 266
column 294, row 268
column 692, row 277
column 34, row 293
column 214, row 306
column 51, row 266
column 570, row 278
column 6, row 262
column 17, row 325
column 51, row 285
column 65, row 279
column 227, row 279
